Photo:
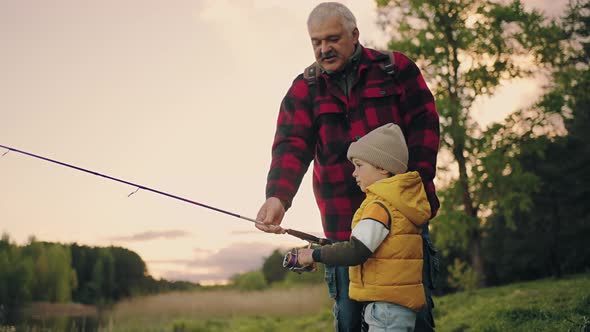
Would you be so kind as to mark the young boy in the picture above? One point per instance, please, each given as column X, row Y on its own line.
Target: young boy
column 385, row 248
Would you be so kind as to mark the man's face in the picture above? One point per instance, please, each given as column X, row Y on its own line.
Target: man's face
column 332, row 44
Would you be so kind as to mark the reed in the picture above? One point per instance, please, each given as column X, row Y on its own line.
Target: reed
column 222, row 303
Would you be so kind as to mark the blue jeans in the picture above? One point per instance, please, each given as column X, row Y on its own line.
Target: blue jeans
column 389, row 317
column 348, row 313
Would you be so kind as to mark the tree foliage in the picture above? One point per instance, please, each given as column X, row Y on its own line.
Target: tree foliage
column 53, row 272
column 16, row 278
column 557, row 227
column 249, row 281
column 466, row 50
column 273, row 269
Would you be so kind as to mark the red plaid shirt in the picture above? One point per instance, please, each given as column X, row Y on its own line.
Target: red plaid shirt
column 322, row 130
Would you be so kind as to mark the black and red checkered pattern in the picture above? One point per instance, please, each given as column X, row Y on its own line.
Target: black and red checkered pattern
column 322, row 129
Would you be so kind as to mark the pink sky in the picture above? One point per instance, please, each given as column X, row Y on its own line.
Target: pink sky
column 180, row 96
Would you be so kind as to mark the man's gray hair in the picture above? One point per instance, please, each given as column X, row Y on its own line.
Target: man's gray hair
column 326, row 10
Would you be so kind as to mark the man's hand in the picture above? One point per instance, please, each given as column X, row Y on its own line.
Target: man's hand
column 270, row 216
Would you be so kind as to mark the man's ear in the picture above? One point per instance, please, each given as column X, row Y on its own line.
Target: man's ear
column 355, row 35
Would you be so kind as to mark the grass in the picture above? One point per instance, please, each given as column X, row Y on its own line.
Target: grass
column 543, row 305
column 223, row 310
column 315, row 323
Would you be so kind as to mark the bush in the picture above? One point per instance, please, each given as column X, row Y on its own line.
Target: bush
column 304, row 278
column 273, row 269
column 462, row 276
column 249, row 281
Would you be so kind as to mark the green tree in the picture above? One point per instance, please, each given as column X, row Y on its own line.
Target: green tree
column 559, row 223
column 129, row 271
column 54, row 277
column 108, row 274
column 467, row 49
column 273, row 269
column 249, row 281
column 83, row 259
column 16, row 277
column 103, row 276
column 42, row 285
column 60, row 273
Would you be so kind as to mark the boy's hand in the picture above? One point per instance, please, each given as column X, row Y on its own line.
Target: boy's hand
column 304, row 256
column 299, row 260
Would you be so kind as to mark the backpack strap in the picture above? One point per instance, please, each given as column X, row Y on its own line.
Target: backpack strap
column 311, row 74
column 388, row 64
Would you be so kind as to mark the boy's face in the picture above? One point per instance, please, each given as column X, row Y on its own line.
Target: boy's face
column 367, row 174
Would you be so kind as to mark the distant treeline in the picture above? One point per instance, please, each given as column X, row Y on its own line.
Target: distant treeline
column 43, row 271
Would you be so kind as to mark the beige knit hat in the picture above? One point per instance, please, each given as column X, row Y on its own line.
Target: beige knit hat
column 384, row 147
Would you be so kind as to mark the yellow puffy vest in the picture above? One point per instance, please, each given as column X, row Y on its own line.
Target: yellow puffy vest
column 394, row 272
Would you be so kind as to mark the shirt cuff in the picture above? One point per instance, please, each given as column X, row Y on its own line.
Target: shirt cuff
column 317, row 255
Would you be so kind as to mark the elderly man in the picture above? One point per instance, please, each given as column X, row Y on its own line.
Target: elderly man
column 349, row 91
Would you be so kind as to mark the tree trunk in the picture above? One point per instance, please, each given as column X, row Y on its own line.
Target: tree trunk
column 471, row 211
column 476, row 258
column 554, row 234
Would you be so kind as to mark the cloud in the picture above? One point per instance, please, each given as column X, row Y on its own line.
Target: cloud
column 217, row 266
column 152, row 235
column 242, row 232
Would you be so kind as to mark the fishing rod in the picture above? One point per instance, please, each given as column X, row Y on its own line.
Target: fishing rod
column 301, row 235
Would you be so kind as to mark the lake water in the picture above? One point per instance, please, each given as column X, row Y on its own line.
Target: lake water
column 19, row 321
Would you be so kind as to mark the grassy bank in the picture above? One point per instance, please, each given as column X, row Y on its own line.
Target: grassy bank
column 543, row 305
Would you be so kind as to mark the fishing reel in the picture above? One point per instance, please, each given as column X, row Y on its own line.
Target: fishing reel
column 290, row 262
